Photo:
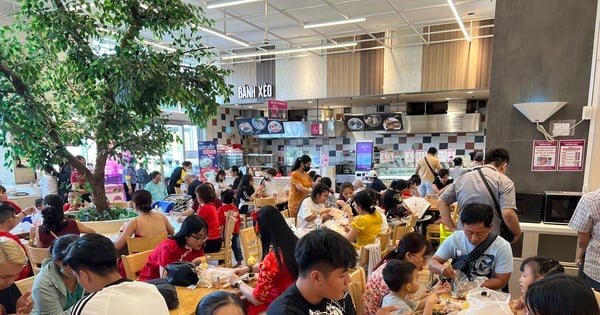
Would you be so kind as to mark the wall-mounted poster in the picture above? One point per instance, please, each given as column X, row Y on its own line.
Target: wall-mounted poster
column 374, row 122
column 543, row 157
column 570, row 155
column 258, row 126
column 207, row 160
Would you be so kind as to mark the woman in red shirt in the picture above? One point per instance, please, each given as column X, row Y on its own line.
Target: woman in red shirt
column 185, row 245
column 205, row 196
column 278, row 269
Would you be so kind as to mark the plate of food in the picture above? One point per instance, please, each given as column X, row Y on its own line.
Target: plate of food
column 373, row 120
column 355, row 124
column 275, row 127
column 205, row 162
column 260, row 123
column 245, row 128
column 392, row 123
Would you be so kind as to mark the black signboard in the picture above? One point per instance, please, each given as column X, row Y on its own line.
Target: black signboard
column 259, row 126
column 374, row 122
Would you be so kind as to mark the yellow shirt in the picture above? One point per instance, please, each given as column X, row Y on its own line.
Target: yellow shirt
column 367, row 226
column 425, row 172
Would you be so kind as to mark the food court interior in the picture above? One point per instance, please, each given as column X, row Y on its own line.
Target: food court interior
column 399, row 76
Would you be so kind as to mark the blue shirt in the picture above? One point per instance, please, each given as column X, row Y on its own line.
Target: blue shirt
column 158, row 191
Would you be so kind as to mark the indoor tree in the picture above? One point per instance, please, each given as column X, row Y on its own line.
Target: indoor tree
column 74, row 71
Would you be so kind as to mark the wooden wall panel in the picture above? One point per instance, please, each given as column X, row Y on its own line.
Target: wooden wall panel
column 343, row 74
column 371, row 66
column 457, row 64
column 265, row 73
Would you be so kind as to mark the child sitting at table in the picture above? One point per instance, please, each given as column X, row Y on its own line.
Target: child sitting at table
column 401, row 277
column 221, row 303
column 227, row 197
column 534, row 269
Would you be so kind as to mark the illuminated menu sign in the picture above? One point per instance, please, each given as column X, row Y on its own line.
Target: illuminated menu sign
column 364, row 155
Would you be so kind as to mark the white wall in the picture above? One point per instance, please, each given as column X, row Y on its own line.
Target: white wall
column 301, row 78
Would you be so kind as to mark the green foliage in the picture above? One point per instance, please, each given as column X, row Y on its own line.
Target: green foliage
column 57, row 88
column 113, row 213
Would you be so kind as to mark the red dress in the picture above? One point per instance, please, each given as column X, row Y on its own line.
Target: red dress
column 26, row 272
column 272, row 282
column 168, row 251
column 224, row 209
column 208, row 212
column 47, row 238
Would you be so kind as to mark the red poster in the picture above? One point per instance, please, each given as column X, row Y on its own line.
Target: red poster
column 543, row 156
column 570, row 155
column 316, row 129
column 277, row 109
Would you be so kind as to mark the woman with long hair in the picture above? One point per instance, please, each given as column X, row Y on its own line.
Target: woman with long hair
column 219, row 183
column 55, row 288
column 278, row 269
column 246, row 192
column 368, row 223
column 205, row 196
column 412, row 247
column 147, row 224
column 300, row 183
column 221, row 303
column 54, row 223
column 561, row 294
column 185, row 245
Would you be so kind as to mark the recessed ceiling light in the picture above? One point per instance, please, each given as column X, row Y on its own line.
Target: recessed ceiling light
column 383, row 97
column 310, row 102
column 250, row 106
column 470, row 92
column 448, row 98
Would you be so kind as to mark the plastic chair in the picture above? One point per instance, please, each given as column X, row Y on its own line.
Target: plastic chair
column 36, row 257
column 444, row 233
column 142, row 244
column 134, row 263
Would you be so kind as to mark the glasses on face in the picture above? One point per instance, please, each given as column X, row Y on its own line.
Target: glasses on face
column 200, row 238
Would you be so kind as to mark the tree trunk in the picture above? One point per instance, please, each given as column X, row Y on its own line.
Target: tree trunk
column 97, row 183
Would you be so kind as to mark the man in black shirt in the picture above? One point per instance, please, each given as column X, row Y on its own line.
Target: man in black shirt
column 324, row 258
column 376, row 183
column 12, row 262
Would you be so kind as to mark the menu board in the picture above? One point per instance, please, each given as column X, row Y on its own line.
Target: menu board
column 543, row 157
column 364, row 155
column 409, row 156
column 207, row 160
column 373, row 122
column 258, row 126
column 570, row 155
column 277, row 109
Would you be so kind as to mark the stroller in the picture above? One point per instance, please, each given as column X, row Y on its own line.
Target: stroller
column 174, row 202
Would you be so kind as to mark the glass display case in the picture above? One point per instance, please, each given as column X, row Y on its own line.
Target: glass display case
column 258, row 161
column 228, row 157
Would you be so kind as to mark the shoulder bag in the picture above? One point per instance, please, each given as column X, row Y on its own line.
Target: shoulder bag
column 435, row 174
column 465, row 262
column 181, row 273
column 505, row 232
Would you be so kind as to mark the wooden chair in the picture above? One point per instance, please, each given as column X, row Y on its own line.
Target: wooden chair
column 384, row 241
column 261, row 202
column 36, row 257
column 597, row 294
column 134, row 263
column 225, row 253
column 251, row 245
column 357, row 288
column 399, row 232
column 286, row 213
column 412, row 222
column 142, row 244
column 25, row 285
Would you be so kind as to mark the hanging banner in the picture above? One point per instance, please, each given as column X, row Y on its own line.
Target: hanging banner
column 543, row 156
column 207, row 160
column 258, row 126
column 570, row 155
column 277, row 109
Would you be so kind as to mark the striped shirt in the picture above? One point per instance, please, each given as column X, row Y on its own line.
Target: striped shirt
column 586, row 219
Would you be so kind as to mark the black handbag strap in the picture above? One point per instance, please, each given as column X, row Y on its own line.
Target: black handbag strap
column 429, row 165
column 487, row 185
column 481, row 248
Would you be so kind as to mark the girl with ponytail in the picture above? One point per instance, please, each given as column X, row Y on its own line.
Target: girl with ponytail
column 365, row 226
column 54, row 223
column 147, row 224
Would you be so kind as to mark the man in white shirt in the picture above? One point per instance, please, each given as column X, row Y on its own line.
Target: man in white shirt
column 93, row 259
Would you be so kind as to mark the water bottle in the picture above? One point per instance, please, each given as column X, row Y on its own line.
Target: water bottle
column 319, row 220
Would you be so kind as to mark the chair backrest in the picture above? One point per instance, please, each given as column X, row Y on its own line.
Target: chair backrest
column 285, row 213
column 36, row 257
column 597, row 294
column 25, row 285
column 455, row 214
column 268, row 201
column 225, row 253
column 357, row 288
column 250, row 243
column 142, row 244
column 399, row 232
column 384, row 241
column 134, row 263
column 412, row 222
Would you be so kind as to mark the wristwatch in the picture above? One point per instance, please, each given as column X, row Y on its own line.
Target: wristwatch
column 237, row 284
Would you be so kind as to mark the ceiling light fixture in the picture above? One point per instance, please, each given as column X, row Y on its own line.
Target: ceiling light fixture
column 167, row 48
column 288, row 51
column 216, row 32
column 339, row 22
column 223, row 4
column 459, row 20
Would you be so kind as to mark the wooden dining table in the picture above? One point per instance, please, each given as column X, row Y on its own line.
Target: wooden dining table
column 281, row 200
column 189, row 298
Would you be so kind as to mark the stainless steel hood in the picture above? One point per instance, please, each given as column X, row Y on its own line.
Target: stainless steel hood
column 451, row 122
column 301, row 129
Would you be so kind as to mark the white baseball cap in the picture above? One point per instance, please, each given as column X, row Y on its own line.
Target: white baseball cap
column 372, row 173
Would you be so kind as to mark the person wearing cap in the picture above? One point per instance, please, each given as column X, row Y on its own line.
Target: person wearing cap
column 477, row 159
column 376, row 183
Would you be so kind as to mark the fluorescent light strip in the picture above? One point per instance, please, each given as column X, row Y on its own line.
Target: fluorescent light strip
column 288, row 51
column 459, row 20
column 229, row 3
column 222, row 35
column 339, row 22
column 167, row 48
